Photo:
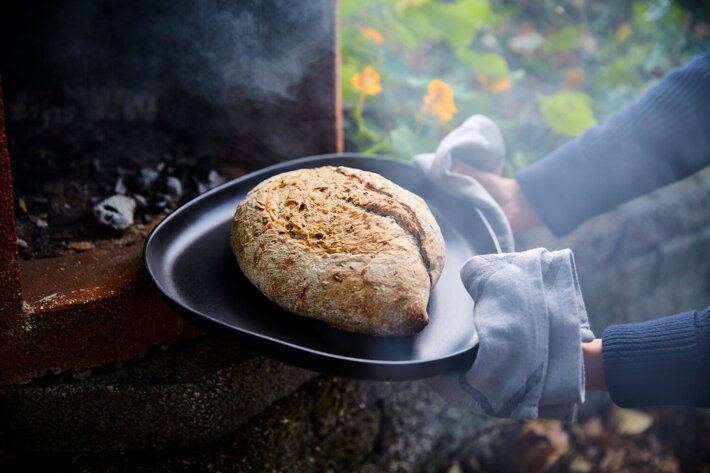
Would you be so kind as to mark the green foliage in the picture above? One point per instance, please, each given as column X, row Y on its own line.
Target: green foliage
column 493, row 65
column 566, row 39
column 405, row 142
column 544, row 71
column 567, row 112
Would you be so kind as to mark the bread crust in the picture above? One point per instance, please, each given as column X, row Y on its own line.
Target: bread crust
column 342, row 245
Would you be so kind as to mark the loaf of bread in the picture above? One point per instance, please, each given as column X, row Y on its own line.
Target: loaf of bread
column 342, row 245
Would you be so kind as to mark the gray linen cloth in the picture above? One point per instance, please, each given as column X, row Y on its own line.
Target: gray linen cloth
column 478, row 142
column 529, row 314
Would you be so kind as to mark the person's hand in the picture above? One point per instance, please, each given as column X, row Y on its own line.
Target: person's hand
column 507, row 192
column 593, row 365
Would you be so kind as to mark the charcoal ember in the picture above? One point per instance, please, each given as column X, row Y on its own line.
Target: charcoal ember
column 23, row 248
column 120, row 187
column 140, row 200
column 164, row 201
column 116, row 211
column 63, row 213
column 146, row 179
column 40, row 222
column 213, row 180
column 174, row 186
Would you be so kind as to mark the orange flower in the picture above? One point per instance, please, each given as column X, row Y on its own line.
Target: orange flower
column 373, row 34
column 574, row 78
column 494, row 85
column 367, row 81
column 439, row 100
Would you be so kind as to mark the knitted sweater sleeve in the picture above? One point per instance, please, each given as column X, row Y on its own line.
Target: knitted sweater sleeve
column 660, row 138
column 659, row 362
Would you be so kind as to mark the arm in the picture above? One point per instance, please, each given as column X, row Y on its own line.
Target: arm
column 662, row 137
column 659, row 362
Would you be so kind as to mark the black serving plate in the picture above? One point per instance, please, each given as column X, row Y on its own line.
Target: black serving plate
column 189, row 258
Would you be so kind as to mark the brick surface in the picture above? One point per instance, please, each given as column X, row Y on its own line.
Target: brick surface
column 85, row 310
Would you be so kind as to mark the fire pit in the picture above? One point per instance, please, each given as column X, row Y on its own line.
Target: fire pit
column 114, row 116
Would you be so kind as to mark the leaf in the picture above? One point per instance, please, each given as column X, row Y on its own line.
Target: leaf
column 467, row 19
column 456, row 23
column 473, row 10
column 455, row 468
column 492, row 65
column 405, row 143
column 622, row 33
column 657, row 9
column 404, row 35
column 403, row 5
column 347, row 70
column 632, row 421
column 423, row 20
column 566, row 39
column 580, row 465
column 625, row 68
column 640, row 17
column 527, row 42
column 568, row 113
column 539, row 446
column 348, row 8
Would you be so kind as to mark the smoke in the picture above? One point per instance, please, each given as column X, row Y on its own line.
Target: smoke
column 217, row 76
column 214, row 49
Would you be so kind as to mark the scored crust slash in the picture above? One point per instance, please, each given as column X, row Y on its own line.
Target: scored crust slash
column 342, row 245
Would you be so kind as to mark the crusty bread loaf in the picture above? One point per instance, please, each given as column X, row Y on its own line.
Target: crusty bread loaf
column 342, row 245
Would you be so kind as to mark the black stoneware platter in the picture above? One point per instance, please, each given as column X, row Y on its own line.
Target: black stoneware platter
column 189, row 258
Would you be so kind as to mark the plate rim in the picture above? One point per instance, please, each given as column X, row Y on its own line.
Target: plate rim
column 362, row 368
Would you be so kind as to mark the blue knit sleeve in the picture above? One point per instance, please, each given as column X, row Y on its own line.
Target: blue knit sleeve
column 659, row 362
column 660, row 138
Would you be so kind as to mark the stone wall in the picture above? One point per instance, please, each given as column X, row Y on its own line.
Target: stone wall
column 205, row 405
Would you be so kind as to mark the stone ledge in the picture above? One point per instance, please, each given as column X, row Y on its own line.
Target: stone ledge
column 189, row 395
column 86, row 310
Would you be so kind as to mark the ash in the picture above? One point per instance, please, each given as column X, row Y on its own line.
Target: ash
column 77, row 179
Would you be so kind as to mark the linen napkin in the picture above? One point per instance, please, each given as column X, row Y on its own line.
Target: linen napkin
column 477, row 141
column 529, row 314
column 530, row 318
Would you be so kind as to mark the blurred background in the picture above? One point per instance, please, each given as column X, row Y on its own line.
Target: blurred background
column 543, row 70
